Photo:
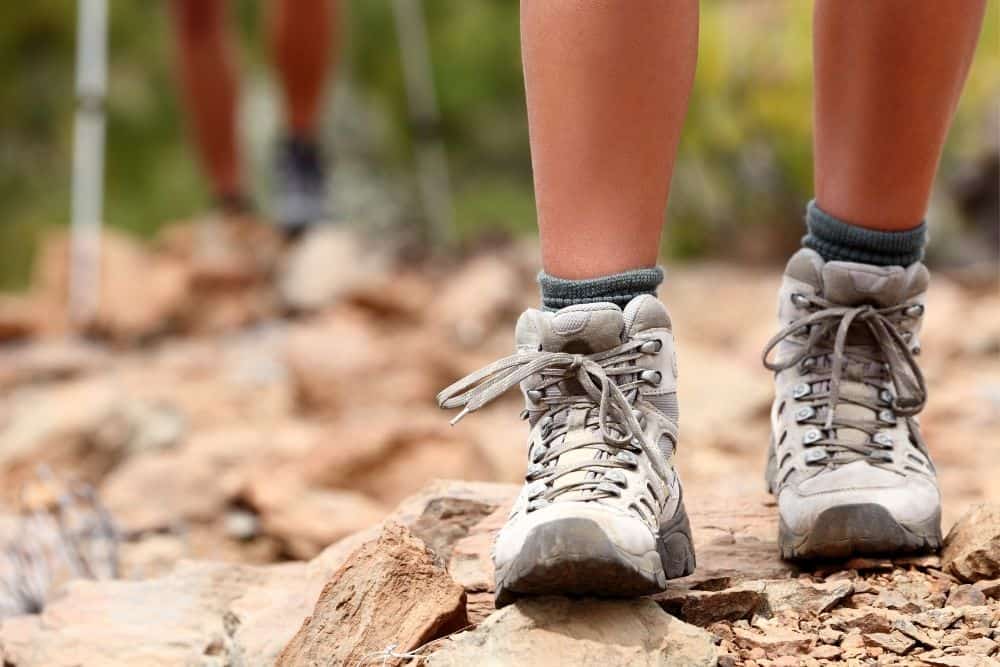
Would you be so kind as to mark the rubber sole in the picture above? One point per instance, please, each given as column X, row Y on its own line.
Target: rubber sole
column 574, row 557
column 863, row 529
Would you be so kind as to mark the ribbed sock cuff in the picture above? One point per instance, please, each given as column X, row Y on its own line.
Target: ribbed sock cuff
column 836, row 240
column 619, row 288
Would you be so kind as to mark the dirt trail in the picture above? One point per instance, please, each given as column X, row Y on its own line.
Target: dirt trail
column 256, row 408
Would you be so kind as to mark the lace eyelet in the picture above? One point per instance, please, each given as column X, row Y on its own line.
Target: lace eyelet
column 880, row 455
column 799, row 300
column 535, row 489
column 801, row 390
column 616, row 477
column 628, row 458
column 887, row 416
column 651, row 347
column 811, row 436
column 651, row 377
column 534, row 395
column 609, row 488
column 916, row 310
column 537, row 504
column 882, row 439
column 805, row 413
column 814, row 456
column 886, row 396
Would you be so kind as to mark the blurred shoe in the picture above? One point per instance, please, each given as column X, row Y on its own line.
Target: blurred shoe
column 300, row 179
column 848, row 466
column 601, row 511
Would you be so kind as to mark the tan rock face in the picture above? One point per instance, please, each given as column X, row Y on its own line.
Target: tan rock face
column 389, row 593
column 175, row 620
column 557, row 631
column 972, row 548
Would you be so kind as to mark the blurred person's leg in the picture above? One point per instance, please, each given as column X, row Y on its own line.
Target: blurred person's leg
column 600, row 512
column 209, row 84
column 607, row 87
column 303, row 35
column 847, row 462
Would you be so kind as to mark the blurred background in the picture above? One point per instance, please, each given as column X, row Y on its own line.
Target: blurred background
column 241, row 397
column 745, row 158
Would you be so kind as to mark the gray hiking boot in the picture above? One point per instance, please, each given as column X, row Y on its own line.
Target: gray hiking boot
column 601, row 510
column 847, row 463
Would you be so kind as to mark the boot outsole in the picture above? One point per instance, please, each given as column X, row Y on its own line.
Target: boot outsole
column 863, row 529
column 574, row 557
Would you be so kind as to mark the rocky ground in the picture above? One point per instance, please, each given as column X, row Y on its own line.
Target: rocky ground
column 258, row 423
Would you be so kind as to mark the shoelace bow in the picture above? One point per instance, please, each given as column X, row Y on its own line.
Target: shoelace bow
column 888, row 349
column 595, row 373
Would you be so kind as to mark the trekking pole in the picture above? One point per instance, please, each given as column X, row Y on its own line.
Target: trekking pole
column 425, row 119
column 88, row 159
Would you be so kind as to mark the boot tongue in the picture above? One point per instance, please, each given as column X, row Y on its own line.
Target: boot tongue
column 583, row 329
column 851, row 284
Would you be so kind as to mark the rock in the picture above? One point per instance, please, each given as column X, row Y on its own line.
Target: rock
column 966, row 595
column 775, row 640
column 972, row 548
column 389, row 593
column 867, row 622
column 196, row 481
column 137, row 426
column 990, row 588
column 913, row 632
column 794, row 594
column 476, row 298
column 895, row 642
column 979, row 617
column 894, row 599
column 21, row 317
column 825, row 652
column 471, row 563
column 938, row 619
column 47, row 361
column 327, row 263
column 172, row 620
column 828, row 635
column 307, row 519
column 389, row 459
column 734, row 541
column 131, row 309
column 342, row 359
column 702, row 608
column 55, row 426
column 446, row 520
column 960, row 661
column 557, row 631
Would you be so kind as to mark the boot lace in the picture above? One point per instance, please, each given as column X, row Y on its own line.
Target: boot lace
column 881, row 357
column 607, row 381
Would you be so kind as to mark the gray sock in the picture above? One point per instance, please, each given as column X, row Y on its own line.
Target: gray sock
column 841, row 241
column 619, row 288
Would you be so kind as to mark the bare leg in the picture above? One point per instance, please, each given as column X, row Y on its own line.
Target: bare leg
column 208, row 81
column 888, row 77
column 302, row 35
column 607, row 88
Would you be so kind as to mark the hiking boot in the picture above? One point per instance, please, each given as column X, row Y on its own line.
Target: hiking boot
column 847, row 464
column 601, row 510
column 300, row 182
